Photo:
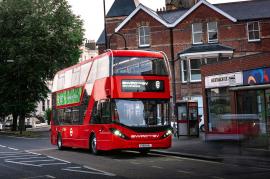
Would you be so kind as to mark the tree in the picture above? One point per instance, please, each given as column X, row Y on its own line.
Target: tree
column 37, row 38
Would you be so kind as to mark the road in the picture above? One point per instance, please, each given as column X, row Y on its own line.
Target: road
column 37, row 158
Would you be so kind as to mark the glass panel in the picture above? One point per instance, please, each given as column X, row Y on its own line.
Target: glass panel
column 250, row 27
column 147, row 40
column 197, row 38
column 211, row 60
column 141, row 112
column 146, row 31
column 212, row 36
column 256, row 26
column 212, row 26
column 197, row 27
column 195, row 63
column 218, row 105
column 256, row 35
column 142, row 40
column 251, row 35
column 141, row 31
column 103, row 67
column 143, row 66
column 195, row 75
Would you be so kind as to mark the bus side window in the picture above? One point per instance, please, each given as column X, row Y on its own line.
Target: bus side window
column 95, row 117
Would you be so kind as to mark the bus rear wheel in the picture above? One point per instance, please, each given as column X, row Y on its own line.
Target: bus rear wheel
column 93, row 144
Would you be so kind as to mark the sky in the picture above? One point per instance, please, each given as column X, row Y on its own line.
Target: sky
column 91, row 12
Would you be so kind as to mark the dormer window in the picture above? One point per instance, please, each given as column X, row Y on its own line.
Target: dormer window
column 144, row 36
column 197, row 33
column 253, row 31
column 212, row 32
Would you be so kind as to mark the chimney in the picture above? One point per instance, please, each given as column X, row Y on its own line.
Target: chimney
column 176, row 4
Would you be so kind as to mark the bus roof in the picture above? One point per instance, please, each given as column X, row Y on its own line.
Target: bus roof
column 118, row 53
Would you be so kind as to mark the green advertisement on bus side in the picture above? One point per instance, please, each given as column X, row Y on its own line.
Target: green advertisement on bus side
column 69, row 97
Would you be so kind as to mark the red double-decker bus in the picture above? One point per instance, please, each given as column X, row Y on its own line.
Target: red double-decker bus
column 118, row 100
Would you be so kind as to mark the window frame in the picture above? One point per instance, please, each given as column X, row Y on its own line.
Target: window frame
column 212, row 30
column 183, row 71
column 197, row 32
column 259, row 30
column 144, row 35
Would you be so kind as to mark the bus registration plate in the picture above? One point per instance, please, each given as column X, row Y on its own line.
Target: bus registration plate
column 145, row 145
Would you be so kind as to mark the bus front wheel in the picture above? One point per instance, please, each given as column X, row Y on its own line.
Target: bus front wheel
column 59, row 142
column 93, row 144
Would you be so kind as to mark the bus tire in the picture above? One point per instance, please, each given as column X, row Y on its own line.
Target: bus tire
column 59, row 142
column 93, row 144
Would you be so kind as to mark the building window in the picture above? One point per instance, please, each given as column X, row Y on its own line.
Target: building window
column 218, row 105
column 253, row 31
column 197, row 33
column 191, row 70
column 195, row 72
column 184, row 70
column 144, row 36
column 212, row 32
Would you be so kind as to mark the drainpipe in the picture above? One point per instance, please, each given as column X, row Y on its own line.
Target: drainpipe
column 173, row 70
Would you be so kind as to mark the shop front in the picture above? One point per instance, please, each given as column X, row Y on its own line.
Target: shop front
column 238, row 105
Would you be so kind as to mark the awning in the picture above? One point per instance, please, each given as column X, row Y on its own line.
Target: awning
column 206, row 50
column 238, row 88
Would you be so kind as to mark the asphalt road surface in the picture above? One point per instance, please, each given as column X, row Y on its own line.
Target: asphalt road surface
column 37, row 158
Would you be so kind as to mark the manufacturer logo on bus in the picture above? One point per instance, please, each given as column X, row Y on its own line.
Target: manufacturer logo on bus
column 148, row 136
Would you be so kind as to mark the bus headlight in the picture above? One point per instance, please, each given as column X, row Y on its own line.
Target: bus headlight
column 168, row 133
column 118, row 133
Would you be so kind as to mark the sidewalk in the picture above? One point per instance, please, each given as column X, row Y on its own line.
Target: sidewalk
column 219, row 151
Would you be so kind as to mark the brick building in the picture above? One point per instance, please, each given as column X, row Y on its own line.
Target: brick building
column 196, row 34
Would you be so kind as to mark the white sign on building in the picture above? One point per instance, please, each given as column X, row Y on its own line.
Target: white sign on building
column 222, row 80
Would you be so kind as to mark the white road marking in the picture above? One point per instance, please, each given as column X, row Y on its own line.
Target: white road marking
column 58, row 159
column 46, row 164
column 104, row 172
column 9, row 161
column 186, row 158
column 30, row 161
column 11, row 153
column 41, row 176
column 36, row 150
column 186, row 172
column 28, row 158
column 32, row 152
column 2, row 146
column 14, row 156
column 12, row 148
column 153, row 166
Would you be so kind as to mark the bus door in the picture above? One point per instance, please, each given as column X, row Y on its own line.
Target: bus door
column 101, row 116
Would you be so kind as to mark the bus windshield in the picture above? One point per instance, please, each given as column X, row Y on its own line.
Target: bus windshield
column 139, row 66
column 141, row 112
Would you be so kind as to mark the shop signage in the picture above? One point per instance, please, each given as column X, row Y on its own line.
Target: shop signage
column 142, row 85
column 229, row 79
column 257, row 76
column 69, row 96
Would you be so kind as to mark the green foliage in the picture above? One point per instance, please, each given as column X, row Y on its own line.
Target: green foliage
column 37, row 39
